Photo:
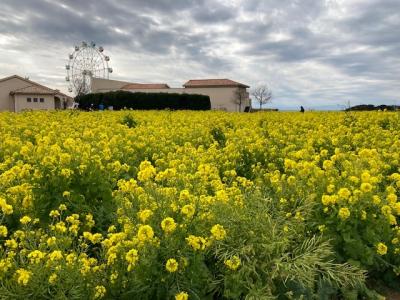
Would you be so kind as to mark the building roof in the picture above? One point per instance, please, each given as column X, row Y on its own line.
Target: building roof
column 12, row 76
column 58, row 93
column 138, row 86
column 34, row 89
column 24, row 79
column 194, row 83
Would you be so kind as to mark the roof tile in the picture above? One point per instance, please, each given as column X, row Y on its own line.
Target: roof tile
column 213, row 82
column 33, row 89
column 137, row 86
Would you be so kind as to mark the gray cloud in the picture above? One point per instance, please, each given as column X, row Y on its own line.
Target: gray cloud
column 308, row 51
column 212, row 12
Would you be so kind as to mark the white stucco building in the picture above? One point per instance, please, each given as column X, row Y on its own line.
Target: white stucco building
column 225, row 94
column 18, row 93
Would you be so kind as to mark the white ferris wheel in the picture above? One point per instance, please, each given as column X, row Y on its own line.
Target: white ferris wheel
column 87, row 61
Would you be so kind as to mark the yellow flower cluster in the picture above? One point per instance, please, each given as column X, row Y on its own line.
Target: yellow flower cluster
column 381, row 249
column 171, row 265
column 132, row 257
column 85, row 196
column 182, row 296
column 23, row 276
column 3, row 231
column 233, row 263
column 196, row 242
column 36, row 256
column 6, row 209
column 25, row 220
column 218, row 232
column 145, row 232
column 53, row 278
column 344, row 213
column 99, row 292
column 168, row 225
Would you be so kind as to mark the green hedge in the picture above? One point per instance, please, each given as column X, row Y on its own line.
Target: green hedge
column 369, row 107
column 144, row 101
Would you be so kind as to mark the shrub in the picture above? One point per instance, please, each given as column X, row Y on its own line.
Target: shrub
column 129, row 121
column 144, row 101
column 219, row 136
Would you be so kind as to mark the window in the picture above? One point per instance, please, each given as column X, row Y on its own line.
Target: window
column 29, row 99
column 34, row 99
column 41, row 99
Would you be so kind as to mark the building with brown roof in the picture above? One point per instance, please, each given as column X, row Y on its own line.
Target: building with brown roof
column 202, row 83
column 225, row 94
column 18, row 93
column 149, row 86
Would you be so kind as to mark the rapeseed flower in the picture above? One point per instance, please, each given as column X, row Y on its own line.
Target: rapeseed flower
column 147, row 171
column 53, row 278
column 89, row 220
column 99, row 292
column 25, row 220
column 51, row 241
column 344, row 213
column 3, row 231
column 218, row 232
column 60, row 227
column 145, row 214
column 171, row 265
column 233, row 263
column 344, row 193
column 381, row 249
column 196, row 242
column 376, row 200
column 7, row 209
column 168, row 225
column 145, row 233
column 188, row 210
column 23, row 276
column 391, row 198
column 55, row 255
column 11, row 243
column 54, row 214
column 366, row 187
column 132, row 257
column 330, row 188
column 36, row 256
column 182, row 296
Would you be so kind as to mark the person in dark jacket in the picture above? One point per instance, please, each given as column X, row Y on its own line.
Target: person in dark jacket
column 301, row 109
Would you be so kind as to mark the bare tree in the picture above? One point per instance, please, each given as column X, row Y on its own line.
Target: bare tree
column 82, row 85
column 262, row 94
column 239, row 97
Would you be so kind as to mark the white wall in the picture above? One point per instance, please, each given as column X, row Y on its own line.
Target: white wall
column 99, row 85
column 6, row 100
column 21, row 102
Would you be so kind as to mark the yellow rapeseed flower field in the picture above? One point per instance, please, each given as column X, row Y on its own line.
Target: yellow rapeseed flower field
column 189, row 205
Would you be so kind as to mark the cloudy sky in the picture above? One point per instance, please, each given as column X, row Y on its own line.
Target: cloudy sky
column 315, row 53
